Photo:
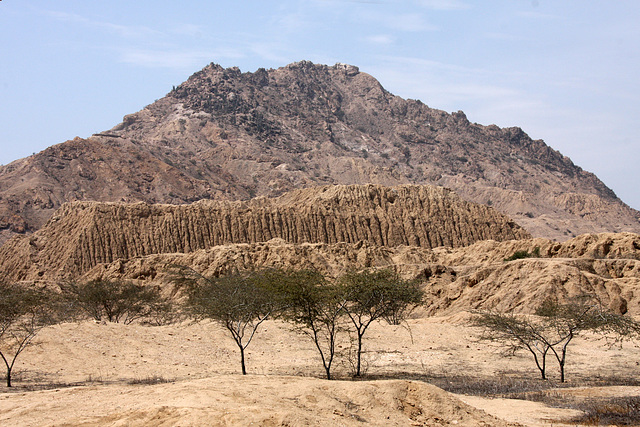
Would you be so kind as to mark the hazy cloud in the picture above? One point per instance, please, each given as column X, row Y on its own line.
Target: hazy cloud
column 444, row 4
column 380, row 39
column 190, row 30
column 353, row 1
column 406, row 22
column 127, row 31
column 536, row 15
column 273, row 52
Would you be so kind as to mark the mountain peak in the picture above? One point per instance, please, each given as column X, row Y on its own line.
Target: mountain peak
column 225, row 134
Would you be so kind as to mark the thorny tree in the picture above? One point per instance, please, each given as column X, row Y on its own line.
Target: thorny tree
column 317, row 307
column 372, row 295
column 553, row 328
column 115, row 300
column 515, row 333
column 563, row 322
column 24, row 312
column 238, row 301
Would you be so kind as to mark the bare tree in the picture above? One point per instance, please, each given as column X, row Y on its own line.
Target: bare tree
column 515, row 333
column 563, row 322
column 24, row 311
column 376, row 294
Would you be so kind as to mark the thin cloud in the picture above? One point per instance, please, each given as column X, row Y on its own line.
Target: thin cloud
column 412, row 22
column 537, row 15
column 272, row 52
column 504, row 37
column 380, row 39
column 406, row 22
column 444, row 4
column 190, row 30
column 353, row 1
column 426, row 64
column 127, row 31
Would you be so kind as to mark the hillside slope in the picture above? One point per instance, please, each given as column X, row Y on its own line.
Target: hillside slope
column 476, row 277
column 82, row 235
column 224, row 134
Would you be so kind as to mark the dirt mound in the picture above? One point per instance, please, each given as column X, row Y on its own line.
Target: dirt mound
column 82, row 235
column 259, row 400
column 606, row 266
column 456, row 279
column 522, row 285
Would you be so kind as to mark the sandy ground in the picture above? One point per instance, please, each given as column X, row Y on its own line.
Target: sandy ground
column 198, row 365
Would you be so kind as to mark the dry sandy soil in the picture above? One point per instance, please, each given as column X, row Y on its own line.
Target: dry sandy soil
column 187, row 374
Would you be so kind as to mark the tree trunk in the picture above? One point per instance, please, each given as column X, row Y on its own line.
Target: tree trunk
column 542, row 368
column 9, row 368
column 564, row 358
column 358, row 364
column 244, row 369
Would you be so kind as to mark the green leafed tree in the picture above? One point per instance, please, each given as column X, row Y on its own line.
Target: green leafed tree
column 115, row 300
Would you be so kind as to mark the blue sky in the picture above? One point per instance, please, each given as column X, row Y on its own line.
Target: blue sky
column 564, row 71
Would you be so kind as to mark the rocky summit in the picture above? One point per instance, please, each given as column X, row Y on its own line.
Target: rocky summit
column 228, row 135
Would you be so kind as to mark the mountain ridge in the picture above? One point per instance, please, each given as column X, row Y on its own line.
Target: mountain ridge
column 228, row 135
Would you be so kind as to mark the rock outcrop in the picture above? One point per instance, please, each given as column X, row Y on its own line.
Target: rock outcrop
column 82, row 235
column 228, row 135
column 476, row 277
column 364, row 227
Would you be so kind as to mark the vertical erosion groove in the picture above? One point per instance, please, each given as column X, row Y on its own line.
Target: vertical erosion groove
column 94, row 233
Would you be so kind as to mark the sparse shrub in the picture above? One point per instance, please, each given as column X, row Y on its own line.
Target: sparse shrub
column 150, row 380
column 163, row 312
column 524, row 254
column 115, row 301
column 613, row 411
column 351, row 361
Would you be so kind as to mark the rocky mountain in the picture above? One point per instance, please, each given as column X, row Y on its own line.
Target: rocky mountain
column 82, row 235
column 228, row 135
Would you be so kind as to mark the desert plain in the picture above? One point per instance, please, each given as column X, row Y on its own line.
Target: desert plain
column 187, row 374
